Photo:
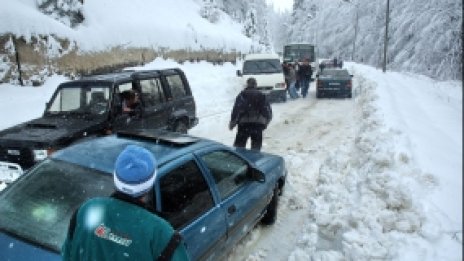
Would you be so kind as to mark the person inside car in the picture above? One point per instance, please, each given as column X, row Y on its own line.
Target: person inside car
column 123, row 226
column 131, row 104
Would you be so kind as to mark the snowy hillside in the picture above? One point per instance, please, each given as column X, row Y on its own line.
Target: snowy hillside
column 136, row 23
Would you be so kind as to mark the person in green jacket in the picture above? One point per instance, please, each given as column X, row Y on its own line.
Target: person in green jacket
column 121, row 227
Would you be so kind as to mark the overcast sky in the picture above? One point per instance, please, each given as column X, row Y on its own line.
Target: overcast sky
column 281, row 5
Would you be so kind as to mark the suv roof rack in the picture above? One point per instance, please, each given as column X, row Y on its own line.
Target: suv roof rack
column 159, row 136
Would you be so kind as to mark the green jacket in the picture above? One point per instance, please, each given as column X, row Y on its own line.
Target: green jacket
column 115, row 229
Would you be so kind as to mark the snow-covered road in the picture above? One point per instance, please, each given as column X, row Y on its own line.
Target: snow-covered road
column 375, row 177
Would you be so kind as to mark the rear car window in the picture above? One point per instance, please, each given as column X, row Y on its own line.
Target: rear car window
column 335, row 72
column 152, row 91
column 39, row 206
column 177, row 86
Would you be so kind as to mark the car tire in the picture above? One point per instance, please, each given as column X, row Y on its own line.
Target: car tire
column 181, row 127
column 349, row 95
column 284, row 97
column 271, row 210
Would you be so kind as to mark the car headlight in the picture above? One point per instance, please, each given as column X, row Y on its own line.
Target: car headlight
column 40, row 154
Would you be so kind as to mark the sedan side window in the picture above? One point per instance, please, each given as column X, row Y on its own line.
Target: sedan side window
column 229, row 171
column 185, row 195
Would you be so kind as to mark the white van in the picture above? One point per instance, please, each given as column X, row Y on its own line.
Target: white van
column 267, row 70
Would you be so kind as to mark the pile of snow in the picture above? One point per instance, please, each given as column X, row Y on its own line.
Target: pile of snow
column 368, row 203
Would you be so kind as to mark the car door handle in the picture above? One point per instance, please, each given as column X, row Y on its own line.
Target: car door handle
column 231, row 209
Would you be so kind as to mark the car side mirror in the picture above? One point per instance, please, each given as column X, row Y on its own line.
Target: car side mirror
column 239, row 73
column 257, row 175
column 351, row 75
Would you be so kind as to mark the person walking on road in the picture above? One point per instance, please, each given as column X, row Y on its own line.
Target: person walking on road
column 123, row 226
column 252, row 113
column 305, row 72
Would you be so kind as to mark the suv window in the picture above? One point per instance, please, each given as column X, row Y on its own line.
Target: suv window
column 152, row 91
column 228, row 170
column 125, row 86
column 177, row 86
column 92, row 99
column 185, row 195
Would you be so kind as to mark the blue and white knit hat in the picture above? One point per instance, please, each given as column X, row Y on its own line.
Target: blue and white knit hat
column 134, row 171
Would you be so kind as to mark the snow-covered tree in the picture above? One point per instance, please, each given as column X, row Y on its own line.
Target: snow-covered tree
column 250, row 24
column 69, row 12
column 424, row 36
column 210, row 11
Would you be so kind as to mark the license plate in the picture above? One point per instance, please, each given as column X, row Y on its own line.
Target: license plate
column 334, row 83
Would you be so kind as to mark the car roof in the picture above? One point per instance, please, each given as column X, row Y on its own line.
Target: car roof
column 123, row 76
column 164, row 145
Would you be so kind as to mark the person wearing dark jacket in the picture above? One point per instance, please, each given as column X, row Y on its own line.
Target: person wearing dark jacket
column 123, row 227
column 252, row 113
column 305, row 72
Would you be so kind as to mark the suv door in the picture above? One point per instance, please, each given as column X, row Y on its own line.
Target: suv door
column 123, row 121
column 156, row 110
column 180, row 96
column 185, row 199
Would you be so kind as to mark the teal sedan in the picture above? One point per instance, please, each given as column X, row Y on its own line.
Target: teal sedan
column 334, row 82
column 211, row 193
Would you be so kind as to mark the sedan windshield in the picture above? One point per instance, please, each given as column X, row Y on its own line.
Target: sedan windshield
column 80, row 99
column 38, row 207
column 262, row 66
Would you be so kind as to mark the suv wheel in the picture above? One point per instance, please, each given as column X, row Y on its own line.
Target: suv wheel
column 181, row 127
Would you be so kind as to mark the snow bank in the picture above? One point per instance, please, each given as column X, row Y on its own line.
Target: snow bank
column 367, row 205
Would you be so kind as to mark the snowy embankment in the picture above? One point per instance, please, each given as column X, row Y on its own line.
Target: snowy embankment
column 374, row 200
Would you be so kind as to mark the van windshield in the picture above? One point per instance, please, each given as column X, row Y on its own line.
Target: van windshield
column 262, row 66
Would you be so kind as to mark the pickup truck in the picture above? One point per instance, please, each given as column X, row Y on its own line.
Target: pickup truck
column 91, row 107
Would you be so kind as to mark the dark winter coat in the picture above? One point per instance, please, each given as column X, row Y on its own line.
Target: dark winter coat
column 251, row 106
column 305, row 71
column 117, row 229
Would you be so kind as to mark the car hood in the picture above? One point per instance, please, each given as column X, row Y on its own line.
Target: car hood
column 48, row 130
column 14, row 249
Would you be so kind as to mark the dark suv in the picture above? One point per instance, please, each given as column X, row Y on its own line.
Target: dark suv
column 92, row 106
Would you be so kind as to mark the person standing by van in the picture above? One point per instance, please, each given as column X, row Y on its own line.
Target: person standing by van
column 252, row 113
column 292, row 82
